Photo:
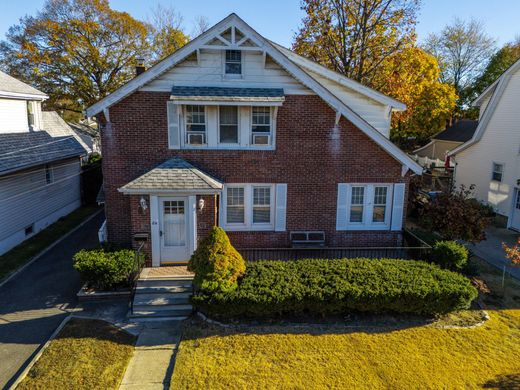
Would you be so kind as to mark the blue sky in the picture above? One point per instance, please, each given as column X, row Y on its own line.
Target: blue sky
column 279, row 19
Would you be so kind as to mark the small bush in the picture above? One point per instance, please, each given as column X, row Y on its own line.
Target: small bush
column 104, row 269
column 216, row 263
column 450, row 254
column 331, row 287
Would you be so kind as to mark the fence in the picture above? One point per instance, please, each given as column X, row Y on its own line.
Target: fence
column 414, row 248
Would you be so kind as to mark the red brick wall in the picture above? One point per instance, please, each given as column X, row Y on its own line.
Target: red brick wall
column 308, row 156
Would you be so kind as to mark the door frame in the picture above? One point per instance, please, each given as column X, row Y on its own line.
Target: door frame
column 515, row 192
column 155, row 224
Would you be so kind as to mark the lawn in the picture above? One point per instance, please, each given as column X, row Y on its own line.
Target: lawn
column 418, row 357
column 22, row 253
column 87, row 354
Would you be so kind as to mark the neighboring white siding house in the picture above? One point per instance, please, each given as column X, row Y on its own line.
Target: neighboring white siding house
column 491, row 159
column 39, row 164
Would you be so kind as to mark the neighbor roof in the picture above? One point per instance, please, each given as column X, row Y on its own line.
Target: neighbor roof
column 227, row 94
column 174, row 175
column 14, row 88
column 460, row 131
column 284, row 60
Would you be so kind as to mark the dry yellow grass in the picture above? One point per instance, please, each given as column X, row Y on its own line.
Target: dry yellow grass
column 414, row 358
column 87, row 354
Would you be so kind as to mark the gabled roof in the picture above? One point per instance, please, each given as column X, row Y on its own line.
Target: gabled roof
column 24, row 150
column 495, row 90
column 174, row 175
column 280, row 57
column 460, row 131
column 14, row 88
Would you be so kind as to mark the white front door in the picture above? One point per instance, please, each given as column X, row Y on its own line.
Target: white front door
column 173, row 229
column 515, row 215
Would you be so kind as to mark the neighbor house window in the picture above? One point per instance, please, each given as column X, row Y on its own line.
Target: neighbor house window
column 498, row 171
column 233, row 63
column 195, row 125
column 49, row 174
column 30, row 114
column 249, row 207
column 235, row 205
column 228, row 124
column 261, row 126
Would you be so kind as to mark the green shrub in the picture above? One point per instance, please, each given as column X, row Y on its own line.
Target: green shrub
column 329, row 287
column 216, row 263
column 450, row 254
column 104, row 269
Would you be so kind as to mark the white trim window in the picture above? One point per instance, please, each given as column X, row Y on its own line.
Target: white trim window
column 497, row 172
column 261, row 126
column 248, row 207
column 228, row 125
column 195, row 119
column 365, row 206
column 233, row 63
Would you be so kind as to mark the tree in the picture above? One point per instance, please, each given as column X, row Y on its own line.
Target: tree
column 79, row 51
column 354, row 37
column 201, row 24
column 166, row 32
column 512, row 252
column 457, row 216
column 412, row 77
column 462, row 49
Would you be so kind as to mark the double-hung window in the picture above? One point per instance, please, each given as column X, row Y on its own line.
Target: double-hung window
column 195, row 125
column 233, row 63
column 249, row 207
column 498, row 172
column 261, row 126
column 228, row 124
column 368, row 206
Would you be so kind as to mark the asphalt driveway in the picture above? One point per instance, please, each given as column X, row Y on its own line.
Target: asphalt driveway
column 36, row 301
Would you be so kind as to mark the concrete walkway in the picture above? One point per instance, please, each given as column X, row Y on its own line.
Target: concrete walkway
column 491, row 249
column 151, row 367
column 35, row 301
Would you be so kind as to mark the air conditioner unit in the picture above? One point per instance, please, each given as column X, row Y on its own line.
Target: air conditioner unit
column 261, row 139
column 196, row 138
column 307, row 238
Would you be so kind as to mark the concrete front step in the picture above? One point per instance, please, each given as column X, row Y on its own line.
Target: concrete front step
column 163, row 289
column 155, row 299
column 145, row 312
column 171, row 307
column 164, row 283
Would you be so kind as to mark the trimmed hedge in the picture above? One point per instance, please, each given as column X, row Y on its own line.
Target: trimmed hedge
column 104, row 269
column 450, row 254
column 324, row 287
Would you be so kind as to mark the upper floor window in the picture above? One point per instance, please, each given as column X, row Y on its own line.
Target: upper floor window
column 228, row 124
column 49, row 174
column 261, row 126
column 233, row 63
column 498, row 172
column 195, row 125
column 30, row 114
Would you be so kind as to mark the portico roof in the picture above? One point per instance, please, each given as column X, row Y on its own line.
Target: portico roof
column 173, row 176
column 227, row 94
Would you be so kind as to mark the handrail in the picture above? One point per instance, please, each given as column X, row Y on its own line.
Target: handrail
column 136, row 272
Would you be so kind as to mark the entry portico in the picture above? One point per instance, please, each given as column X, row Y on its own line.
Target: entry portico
column 172, row 189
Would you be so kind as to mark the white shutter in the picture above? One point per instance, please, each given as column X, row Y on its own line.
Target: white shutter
column 341, row 216
column 398, row 206
column 173, row 126
column 281, row 207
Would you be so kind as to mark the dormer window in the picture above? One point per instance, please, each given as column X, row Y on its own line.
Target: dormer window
column 233, row 63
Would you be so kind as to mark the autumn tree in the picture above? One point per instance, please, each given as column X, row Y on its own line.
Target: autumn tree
column 462, row 49
column 78, row 51
column 354, row 37
column 412, row 77
column 166, row 32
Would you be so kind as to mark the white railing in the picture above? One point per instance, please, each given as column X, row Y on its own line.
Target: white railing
column 428, row 162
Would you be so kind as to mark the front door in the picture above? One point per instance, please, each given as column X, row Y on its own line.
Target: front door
column 173, row 231
column 515, row 217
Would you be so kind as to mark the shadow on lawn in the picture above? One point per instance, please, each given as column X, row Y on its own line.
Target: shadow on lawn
column 511, row 381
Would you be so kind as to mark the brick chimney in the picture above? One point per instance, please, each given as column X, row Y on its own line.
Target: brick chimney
column 139, row 67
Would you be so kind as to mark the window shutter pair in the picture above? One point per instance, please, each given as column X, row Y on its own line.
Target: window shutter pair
column 174, row 139
column 397, row 206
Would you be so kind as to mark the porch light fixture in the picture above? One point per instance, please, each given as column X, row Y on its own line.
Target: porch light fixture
column 142, row 203
column 201, row 204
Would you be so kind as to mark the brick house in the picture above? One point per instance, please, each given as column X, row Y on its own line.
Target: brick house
column 237, row 131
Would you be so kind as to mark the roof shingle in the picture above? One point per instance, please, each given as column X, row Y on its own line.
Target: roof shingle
column 460, row 131
column 226, row 93
column 12, row 85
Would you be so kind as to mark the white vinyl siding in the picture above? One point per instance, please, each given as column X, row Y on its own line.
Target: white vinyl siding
column 373, row 206
column 38, row 196
column 13, row 116
column 254, row 207
column 227, row 127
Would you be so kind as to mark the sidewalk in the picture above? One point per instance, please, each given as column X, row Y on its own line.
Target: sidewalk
column 491, row 249
column 152, row 365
